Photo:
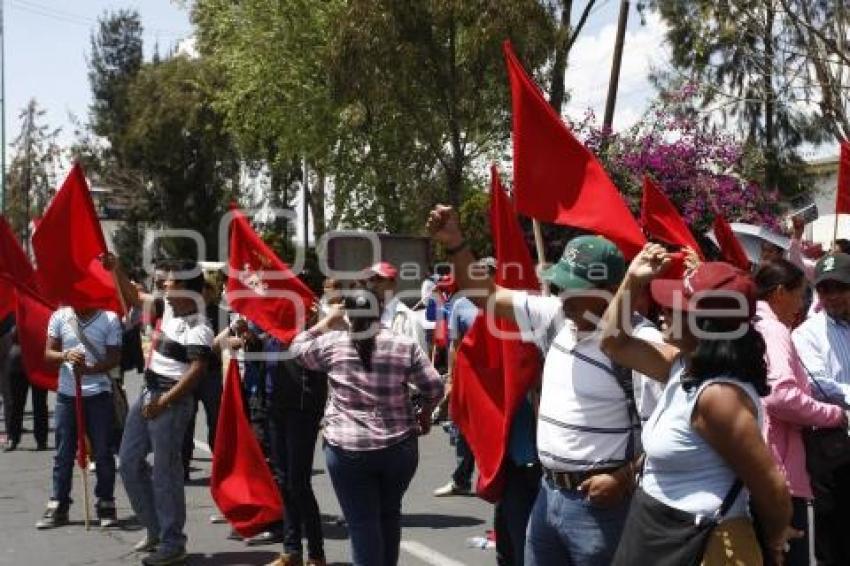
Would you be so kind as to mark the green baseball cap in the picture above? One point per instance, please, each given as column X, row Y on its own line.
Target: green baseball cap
column 833, row 267
column 588, row 262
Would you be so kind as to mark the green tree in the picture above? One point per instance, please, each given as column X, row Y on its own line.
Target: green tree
column 32, row 175
column 115, row 60
column 747, row 62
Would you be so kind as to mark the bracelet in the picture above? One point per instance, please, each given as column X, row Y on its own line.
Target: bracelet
column 452, row 251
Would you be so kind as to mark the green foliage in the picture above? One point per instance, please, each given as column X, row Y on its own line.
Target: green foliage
column 392, row 101
column 475, row 219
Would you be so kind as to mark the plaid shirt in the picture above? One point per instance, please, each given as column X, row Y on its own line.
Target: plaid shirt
column 368, row 410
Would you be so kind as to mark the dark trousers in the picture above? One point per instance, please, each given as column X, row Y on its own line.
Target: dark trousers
column 462, row 475
column 15, row 401
column 511, row 513
column 832, row 515
column 208, row 393
column 293, row 435
column 798, row 555
column 370, row 485
column 99, row 414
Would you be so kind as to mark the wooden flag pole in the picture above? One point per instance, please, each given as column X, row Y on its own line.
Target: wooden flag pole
column 541, row 254
column 835, row 230
column 86, row 500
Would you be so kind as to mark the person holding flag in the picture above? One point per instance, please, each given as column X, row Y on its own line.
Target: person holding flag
column 86, row 344
column 586, row 418
column 157, row 421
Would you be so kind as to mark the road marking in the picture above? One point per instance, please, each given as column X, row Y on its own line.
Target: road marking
column 427, row 554
column 202, row 446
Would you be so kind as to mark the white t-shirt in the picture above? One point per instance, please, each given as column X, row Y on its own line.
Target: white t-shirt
column 584, row 420
column 180, row 341
column 647, row 390
column 103, row 329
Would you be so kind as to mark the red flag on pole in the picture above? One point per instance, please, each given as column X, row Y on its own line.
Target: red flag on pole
column 731, row 249
column 493, row 373
column 661, row 220
column 7, row 299
column 261, row 287
column 67, row 244
column 241, row 484
column 842, row 197
column 31, row 318
column 557, row 179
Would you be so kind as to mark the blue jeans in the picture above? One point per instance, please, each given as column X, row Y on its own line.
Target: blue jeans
column 99, row 414
column 565, row 529
column 157, row 495
column 370, row 485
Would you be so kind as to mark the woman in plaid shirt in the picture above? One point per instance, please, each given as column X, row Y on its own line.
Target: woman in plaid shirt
column 371, row 425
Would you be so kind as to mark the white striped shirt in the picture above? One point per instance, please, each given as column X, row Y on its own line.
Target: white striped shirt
column 583, row 421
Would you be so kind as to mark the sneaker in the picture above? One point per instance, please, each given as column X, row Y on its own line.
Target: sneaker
column 450, row 489
column 147, row 544
column 316, row 562
column 266, row 537
column 287, row 560
column 164, row 556
column 233, row 535
column 217, row 519
column 106, row 512
column 55, row 515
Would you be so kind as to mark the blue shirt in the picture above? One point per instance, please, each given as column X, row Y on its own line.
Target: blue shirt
column 462, row 313
column 823, row 344
column 522, row 448
column 682, row 470
column 103, row 329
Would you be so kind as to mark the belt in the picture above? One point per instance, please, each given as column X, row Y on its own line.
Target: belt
column 572, row 480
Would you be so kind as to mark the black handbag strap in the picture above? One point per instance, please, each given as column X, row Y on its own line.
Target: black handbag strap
column 730, row 498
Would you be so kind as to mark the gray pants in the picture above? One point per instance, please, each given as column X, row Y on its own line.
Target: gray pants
column 156, row 493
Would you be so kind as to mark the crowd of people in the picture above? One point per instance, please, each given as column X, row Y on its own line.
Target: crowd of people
column 677, row 419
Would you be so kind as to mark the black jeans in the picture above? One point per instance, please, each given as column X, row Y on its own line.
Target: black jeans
column 798, row 555
column 511, row 513
column 208, row 393
column 293, row 435
column 15, row 401
column 832, row 515
column 465, row 467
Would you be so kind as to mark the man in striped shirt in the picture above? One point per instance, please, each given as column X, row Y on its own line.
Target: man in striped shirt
column 158, row 419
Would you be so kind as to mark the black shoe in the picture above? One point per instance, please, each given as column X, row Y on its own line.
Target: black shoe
column 41, row 446
column 55, row 515
column 106, row 513
column 10, row 446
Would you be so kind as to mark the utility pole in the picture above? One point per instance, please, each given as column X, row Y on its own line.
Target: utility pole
column 614, row 81
column 2, row 111
column 305, row 187
column 28, row 125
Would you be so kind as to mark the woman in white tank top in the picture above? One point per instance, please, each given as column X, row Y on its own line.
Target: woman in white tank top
column 704, row 449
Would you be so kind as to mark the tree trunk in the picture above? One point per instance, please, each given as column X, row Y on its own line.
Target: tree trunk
column 317, row 205
column 559, row 67
column 771, row 154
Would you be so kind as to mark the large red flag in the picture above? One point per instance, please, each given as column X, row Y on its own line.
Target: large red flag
column 263, row 288
column 493, row 374
column 7, row 299
column 731, row 249
column 557, row 179
column 661, row 220
column 67, row 244
column 842, row 196
column 241, row 484
column 32, row 316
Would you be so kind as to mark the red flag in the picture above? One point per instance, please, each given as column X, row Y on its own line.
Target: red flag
column 557, row 179
column 7, row 299
column 67, row 243
column 241, row 484
column 493, row 374
column 661, row 220
column 32, row 316
column 731, row 249
column 842, row 196
column 263, row 288
column 13, row 259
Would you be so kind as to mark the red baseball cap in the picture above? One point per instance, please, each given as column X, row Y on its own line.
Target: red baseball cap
column 712, row 285
column 384, row 270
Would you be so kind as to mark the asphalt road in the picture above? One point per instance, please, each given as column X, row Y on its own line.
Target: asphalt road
column 435, row 530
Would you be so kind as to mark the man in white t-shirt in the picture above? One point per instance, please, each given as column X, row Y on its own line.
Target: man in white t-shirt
column 84, row 343
column 157, row 421
column 382, row 280
column 587, row 423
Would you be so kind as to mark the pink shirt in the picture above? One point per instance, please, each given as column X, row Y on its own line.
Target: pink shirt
column 790, row 406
